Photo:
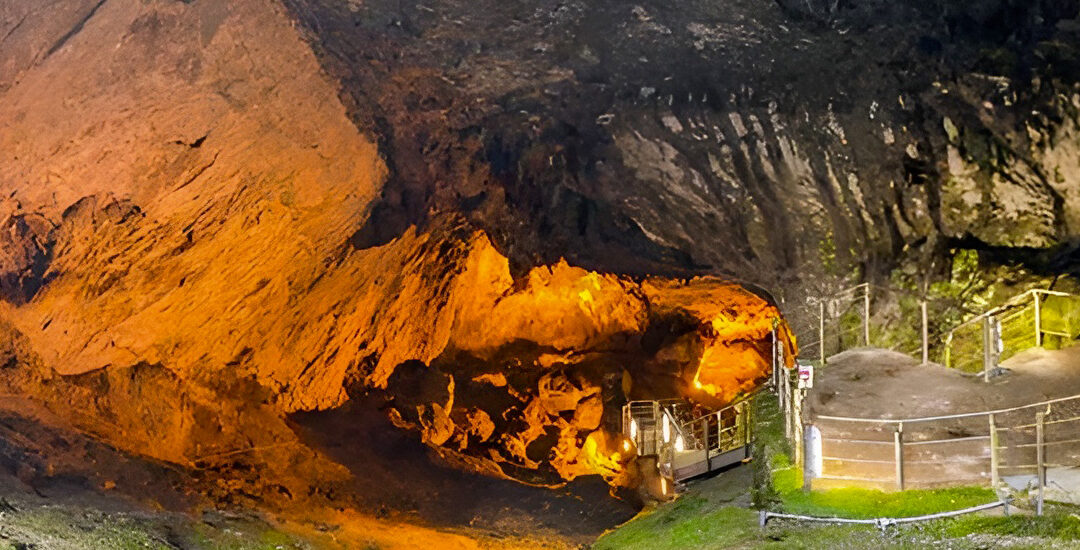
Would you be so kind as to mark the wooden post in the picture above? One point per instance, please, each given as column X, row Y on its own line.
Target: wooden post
column 1038, row 321
column 925, row 333
column 1040, row 458
column 866, row 314
column 898, row 445
column 774, row 344
column 821, row 331
column 783, row 393
column 787, row 406
column 995, row 479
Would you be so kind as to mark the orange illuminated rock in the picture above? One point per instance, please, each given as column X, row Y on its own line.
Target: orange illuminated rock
column 182, row 271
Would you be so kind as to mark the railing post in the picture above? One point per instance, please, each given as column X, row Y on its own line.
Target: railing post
column 948, row 349
column 866, row 313
column 708, row 446
column 774, row 343
column 821, row 331
column 925, row 333
column 1038, row 321
column 787, row 406
column 988, row 341
column 656, row 428
column 796, row 422
column 898, row 445
column 749, row 427
column 995, row 478
column 1040, row 458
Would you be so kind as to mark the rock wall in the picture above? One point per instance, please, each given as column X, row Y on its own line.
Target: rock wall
column 504, row 218
column 197, row 247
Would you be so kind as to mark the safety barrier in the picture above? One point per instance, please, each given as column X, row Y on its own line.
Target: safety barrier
column 1029, row 320
column 687, row 446
column 883, row 523
column 960, row 449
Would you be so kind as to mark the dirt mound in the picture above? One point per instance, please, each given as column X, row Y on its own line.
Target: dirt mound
column 876, row 383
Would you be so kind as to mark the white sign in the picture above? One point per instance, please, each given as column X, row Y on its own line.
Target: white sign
column 806, row 376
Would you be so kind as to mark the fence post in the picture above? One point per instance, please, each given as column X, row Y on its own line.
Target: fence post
column 948, row 350
column 708, row 444
column 656, row 428
column 774, row 343
column 866, row 313
column 821, row 331
column 787, row 406
column 898, row 444
column 1040, row 458
column 796, row 422
column 1038, row 321
column 994, row 465
column 925, row 333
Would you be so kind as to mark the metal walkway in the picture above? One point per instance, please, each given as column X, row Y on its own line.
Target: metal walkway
column 685, row 445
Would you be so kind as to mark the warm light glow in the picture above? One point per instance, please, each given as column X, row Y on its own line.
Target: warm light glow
column 626, row 446
column 666, row 430
column 679, row 446
column 663, row 486
column 697, row 384
column 633, row 429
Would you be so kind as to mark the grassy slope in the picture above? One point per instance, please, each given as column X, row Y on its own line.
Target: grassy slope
column 695, row 521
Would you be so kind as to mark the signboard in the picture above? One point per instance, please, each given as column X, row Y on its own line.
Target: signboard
column 806, row 376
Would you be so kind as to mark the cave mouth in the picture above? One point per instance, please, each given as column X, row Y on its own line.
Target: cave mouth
column 517, row 423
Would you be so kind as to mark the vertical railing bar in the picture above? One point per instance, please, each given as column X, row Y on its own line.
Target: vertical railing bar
column 1040, row 458
column 866, row 313
column 898, row 443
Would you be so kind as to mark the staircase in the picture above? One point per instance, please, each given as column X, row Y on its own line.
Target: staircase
column 686, row 446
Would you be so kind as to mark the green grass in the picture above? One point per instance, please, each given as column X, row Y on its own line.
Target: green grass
column 784, row 491
column 694, row 522
column 1052, row 526
column 868, row 504
column 684, row 524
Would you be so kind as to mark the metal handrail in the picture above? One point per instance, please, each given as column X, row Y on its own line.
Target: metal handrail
column 1012, row 302
column 948, row 417
column 732, row 405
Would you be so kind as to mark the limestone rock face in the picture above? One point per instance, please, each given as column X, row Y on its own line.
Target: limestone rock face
column 189, row 255
column 505, row 219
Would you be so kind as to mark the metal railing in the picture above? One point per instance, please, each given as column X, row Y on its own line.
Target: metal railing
column 644, row 423
column 686, row 447
column 834, row 322
column 980, row 344
column 882, row 523
column 966, row 448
